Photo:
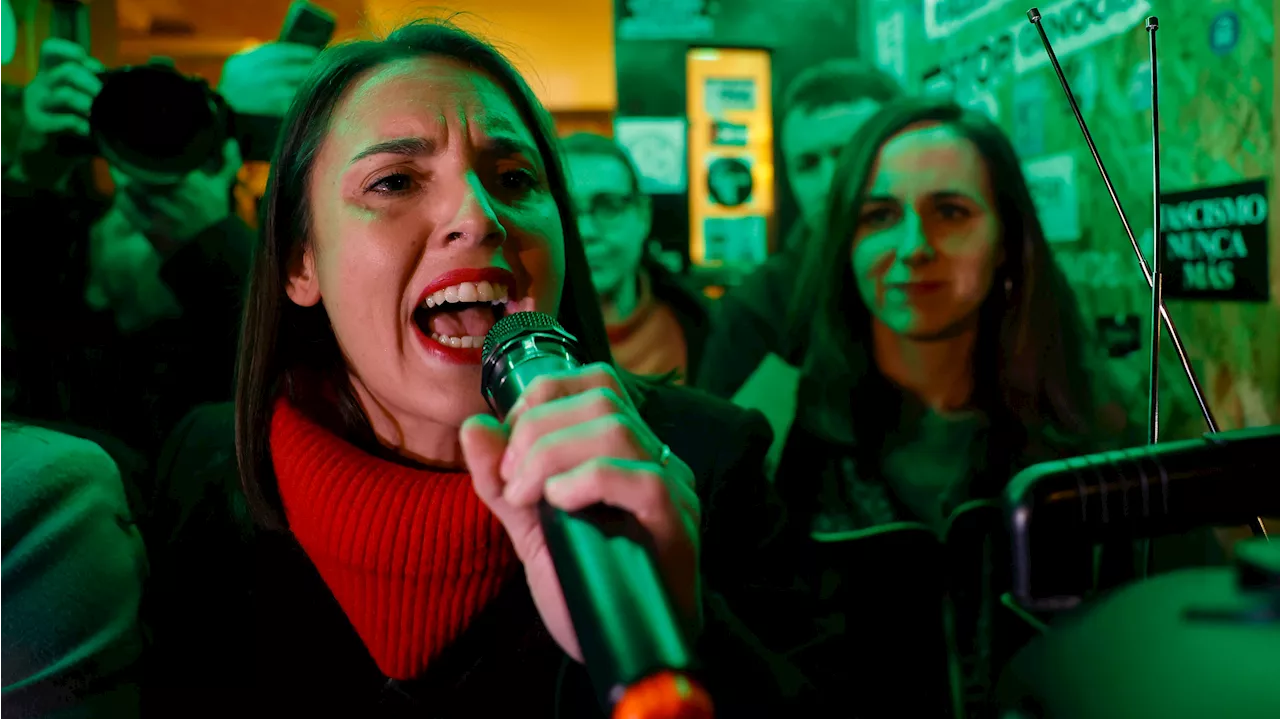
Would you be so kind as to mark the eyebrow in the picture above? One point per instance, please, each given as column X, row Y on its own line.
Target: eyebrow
column 405, row 146
column 506, row 145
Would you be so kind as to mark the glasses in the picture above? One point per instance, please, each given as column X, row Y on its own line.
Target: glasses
column 607, row 208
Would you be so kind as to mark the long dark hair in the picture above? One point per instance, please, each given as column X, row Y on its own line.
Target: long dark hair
column 281, row 342
column 1035, row 364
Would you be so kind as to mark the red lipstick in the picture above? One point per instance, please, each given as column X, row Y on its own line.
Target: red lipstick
column 460, row 355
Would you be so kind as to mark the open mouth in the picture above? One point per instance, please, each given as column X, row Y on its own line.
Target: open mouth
column 460, row 315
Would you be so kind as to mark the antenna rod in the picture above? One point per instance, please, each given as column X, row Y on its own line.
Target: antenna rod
column 1033, row 15
column 1157, row 274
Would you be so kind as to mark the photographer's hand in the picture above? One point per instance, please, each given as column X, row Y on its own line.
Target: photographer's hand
column 172, row 216
column 55, row 107
column 263, row 81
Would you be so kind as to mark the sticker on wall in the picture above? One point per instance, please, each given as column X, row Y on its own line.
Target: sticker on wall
column 1121, row 334
column 729, row 134
column 1052, row 181
column 726, row 94
column 665, row 20
column 657, row 145
column 8, row 32
column 944, row 17
column 891, row 43
column 736, row 240
column 1029, row 97
column 729, row 181
column 1215, row 242
column 1075, row 25
column 1224, row 32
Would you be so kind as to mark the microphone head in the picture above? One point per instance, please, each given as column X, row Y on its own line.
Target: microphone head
column 515, row 324
column 518, row 348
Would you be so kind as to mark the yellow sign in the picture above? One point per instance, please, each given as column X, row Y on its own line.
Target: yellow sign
column 731, row 192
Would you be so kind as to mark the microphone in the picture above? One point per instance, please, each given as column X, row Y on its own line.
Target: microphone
column 1150, row 491
column 635, row 649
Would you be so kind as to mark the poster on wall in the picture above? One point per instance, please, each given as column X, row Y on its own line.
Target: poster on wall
column 944, row 17
column 729, row 181
column 1052, row 181
column 665, row 20
column 1016, row 49
column 657, row 146
column 736, row 240
column 1075, row 25
column 1215, row 243
column 891, row 43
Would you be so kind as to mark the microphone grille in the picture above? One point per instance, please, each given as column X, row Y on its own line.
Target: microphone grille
column 514, row 324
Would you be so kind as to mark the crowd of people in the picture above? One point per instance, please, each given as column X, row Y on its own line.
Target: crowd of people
column 250, row 471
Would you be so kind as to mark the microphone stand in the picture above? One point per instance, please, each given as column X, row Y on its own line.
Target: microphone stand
column 1154, row 279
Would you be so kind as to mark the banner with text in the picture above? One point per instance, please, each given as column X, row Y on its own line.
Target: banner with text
column 1071, row 25
column 1215, row 243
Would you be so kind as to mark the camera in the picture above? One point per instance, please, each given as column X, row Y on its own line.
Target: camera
column 157, row 125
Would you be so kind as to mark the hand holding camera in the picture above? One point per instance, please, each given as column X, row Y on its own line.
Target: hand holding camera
column 171, row 215
column 55, row 107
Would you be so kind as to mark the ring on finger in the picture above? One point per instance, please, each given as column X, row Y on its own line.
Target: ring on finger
column 664, row 457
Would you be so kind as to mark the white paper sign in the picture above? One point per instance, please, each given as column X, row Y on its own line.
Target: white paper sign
column 945, row 17
column 1073, row 25
column 657, row 145
column 891, row 44
column 1052, row 181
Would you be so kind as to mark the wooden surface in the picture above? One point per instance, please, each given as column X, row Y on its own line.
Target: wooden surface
column 1217, row 128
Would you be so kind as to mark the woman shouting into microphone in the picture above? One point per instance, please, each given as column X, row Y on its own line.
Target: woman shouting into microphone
column 377, row 550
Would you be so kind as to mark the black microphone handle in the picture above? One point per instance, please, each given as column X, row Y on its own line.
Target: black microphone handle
column 621, row 610
column 626, row 624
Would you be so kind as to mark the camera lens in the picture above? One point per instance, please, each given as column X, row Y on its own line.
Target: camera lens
column 155, row 124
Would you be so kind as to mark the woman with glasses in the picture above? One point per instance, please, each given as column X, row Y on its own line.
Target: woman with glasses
column 656, row 324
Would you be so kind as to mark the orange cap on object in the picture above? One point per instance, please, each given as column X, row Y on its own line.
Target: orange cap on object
column 667, row 695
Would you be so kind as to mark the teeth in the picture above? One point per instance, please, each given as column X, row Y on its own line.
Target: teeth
column 469, row 292
column 461, row 342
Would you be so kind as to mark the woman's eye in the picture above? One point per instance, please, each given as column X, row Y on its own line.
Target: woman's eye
column 876, row 217
column 518, row 180
column 393, row 184
column 951, row 211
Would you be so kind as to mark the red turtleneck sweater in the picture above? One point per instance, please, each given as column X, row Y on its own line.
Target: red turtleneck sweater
column 411, row 555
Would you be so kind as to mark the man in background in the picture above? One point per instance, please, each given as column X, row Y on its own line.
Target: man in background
column 822, row 110
column 656, row 324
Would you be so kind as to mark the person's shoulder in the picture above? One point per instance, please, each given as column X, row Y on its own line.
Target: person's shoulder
column 42, row 467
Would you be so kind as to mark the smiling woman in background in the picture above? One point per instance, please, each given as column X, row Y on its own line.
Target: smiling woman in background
column 943, row 352
column 377, row 550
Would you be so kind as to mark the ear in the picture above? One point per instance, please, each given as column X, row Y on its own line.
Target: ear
column 304, row 284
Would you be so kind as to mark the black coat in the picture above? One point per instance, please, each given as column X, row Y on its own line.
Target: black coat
column 242, row 624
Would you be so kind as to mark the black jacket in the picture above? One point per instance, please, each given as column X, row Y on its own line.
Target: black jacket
column 243, row 625
column 748, row 324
